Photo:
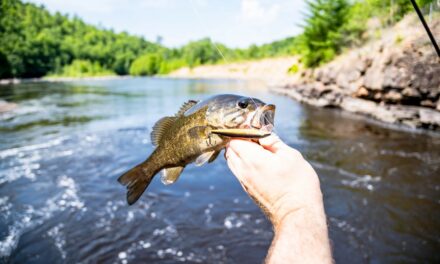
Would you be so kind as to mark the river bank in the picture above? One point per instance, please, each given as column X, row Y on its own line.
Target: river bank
column 394, row 78
column 271, row 71
column 60, row 79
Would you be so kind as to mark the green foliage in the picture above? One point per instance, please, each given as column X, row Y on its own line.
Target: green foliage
column 286, row 47
column 322, row 37
column 293, row 69
column 398, row 39
column 5, row 68
column 391, row 11
column 36, row 42
column 332, row 25
column 83, row 68
column 148, row 64
column 201, row 52
column 168, row 66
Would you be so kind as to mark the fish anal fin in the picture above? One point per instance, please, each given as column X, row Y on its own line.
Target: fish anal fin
column 213, row 156
column 170, row 175
column 187, row 105
column 160, row 127
column 203, row 158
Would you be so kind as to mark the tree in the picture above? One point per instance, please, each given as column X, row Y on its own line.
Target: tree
column 322, row 38
column 148, row 64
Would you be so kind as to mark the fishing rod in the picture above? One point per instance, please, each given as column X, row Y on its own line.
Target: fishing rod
column 428, row 31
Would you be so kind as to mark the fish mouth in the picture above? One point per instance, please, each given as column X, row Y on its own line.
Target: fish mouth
column 263, row 118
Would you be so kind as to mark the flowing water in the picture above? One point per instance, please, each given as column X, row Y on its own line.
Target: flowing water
column 63, row 147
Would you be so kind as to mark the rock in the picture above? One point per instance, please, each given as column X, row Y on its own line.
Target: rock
column 378, row 96
column 373, row 78
column 396, row 78
column 427, row 103
column 411, row 92
column 390, row 82
column 362, row 65
column 362, row 92
column 430, row 117
column 393, row 96
column 327, row 76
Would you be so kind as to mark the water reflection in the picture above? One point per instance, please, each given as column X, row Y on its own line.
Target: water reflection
column 65, row 144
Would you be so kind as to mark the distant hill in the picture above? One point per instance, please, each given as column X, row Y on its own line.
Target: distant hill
column 35, row 43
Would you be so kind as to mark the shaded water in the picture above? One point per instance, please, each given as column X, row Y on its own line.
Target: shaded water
column 63, row 148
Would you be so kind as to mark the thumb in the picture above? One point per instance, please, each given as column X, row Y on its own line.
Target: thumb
column 272, row 143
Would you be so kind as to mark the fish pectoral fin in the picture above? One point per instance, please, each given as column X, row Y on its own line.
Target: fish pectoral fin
column 241, row 132
column 170, row 175
column 213, row 156
column 199, row 132
column 205, row 157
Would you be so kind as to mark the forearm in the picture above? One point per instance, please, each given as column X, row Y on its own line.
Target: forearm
column 301, row 237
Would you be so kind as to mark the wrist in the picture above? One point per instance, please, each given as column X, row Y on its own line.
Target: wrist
column 307, row 211
column 301, row 237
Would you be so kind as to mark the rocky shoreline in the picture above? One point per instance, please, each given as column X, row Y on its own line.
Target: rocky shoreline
column 395, row 79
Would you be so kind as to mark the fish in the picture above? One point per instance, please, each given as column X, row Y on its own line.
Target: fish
column 197, row 133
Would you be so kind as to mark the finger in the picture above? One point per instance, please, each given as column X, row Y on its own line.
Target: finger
column 247, row 150
column 272, row 143
column 235, row 164
column 238, row 169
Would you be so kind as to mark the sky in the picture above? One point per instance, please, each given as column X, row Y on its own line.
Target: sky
column 236, row 23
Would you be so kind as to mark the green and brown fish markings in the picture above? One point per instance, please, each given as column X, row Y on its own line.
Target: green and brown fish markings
column 197, row 133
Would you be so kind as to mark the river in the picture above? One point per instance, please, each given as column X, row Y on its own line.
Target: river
column 63, row 147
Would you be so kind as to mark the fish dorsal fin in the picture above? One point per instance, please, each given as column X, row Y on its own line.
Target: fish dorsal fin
column 160, row 127
column 171, row 175
column 187, row 105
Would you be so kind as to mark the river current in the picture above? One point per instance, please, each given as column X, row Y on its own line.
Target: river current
column 66, row 143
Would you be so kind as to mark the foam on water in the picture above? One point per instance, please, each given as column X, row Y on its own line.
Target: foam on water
column 58, row 236
column 365, row 182
column 353, row 180
column 5, row 207
column 28, row 148
column 58, row 181
column 68, row 199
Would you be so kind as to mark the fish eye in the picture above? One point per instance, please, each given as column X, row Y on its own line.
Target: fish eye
column 243, row 104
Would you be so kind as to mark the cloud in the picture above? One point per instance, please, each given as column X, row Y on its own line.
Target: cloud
column 253, row 11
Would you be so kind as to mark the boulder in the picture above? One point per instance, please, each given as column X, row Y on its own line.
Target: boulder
column 362, row 92
column 393, row 96
column 373, row 78
column 411, row 92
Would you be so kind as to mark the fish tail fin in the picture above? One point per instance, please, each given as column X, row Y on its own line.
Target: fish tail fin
column 136, row 180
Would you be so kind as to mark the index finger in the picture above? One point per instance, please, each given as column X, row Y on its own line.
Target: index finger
column 247, row 150
column 272, row 143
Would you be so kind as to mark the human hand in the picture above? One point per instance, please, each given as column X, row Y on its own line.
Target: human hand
column 276, row 176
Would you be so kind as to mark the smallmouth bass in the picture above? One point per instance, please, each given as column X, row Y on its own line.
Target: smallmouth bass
column 197, row 133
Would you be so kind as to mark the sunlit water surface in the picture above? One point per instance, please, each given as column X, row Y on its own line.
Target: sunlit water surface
column 63, row 148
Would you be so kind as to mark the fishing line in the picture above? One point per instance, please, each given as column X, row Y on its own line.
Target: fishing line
column 425, row 25
column 199, row 20
column 196, row 13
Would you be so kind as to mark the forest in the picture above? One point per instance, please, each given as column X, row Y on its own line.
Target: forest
column 37, row 43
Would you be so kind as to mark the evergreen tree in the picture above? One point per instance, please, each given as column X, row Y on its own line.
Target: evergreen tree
column 322, row 38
